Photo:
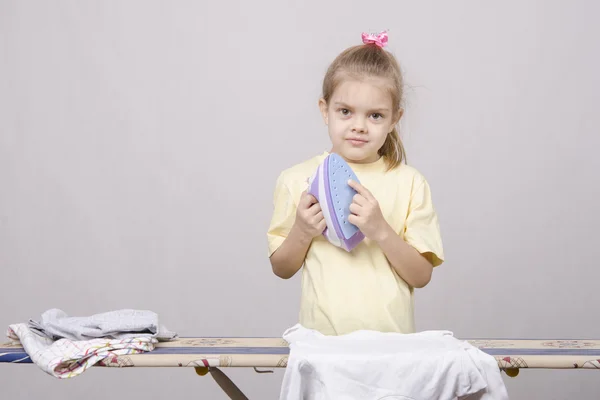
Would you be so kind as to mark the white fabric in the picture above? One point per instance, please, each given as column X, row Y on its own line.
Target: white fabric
column 387, row 366
column 66, row 358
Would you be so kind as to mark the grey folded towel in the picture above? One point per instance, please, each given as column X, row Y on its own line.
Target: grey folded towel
column 120, row 324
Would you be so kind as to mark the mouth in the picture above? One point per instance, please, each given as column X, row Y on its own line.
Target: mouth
column 357, row 142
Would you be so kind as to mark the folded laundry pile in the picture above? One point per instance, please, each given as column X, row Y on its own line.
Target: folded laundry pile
column 65, row 346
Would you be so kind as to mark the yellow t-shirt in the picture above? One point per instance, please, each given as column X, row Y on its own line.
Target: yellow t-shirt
column 348, row 291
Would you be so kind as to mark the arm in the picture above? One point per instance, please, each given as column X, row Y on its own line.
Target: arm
column 289, row 257
column 309, row 223
column 408, row 263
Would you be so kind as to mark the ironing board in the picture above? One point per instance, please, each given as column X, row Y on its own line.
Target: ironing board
column 207, row 355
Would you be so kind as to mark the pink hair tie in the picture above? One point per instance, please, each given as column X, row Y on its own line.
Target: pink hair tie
column 380, row 39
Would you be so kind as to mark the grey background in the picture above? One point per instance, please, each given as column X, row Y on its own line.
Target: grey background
column 140, row 142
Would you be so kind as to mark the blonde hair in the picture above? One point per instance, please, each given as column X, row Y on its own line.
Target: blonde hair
column 369, row 60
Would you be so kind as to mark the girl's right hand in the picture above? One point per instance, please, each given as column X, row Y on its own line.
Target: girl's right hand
column 310, row 221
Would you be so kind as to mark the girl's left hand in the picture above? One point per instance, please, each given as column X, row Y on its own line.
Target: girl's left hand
column 366, row 214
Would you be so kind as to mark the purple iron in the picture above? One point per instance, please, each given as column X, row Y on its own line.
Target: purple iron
column 329, row 185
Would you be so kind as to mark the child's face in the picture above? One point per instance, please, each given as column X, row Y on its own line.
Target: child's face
column 359, row 117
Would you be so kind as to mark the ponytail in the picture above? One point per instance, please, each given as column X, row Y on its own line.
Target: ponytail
column 392, row 150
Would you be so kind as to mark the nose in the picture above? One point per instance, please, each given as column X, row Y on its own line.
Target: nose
column 359, row 126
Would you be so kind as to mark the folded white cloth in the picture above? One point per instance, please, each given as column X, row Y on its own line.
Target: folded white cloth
column 119, row 324
column 66, row 358
column 391, row 366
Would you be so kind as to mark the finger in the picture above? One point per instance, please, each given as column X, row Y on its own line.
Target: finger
column 303, row 200
column 307, row 200
column 360, row 189
column 322, row 225
column 357, row 186
column 359, row 199
column 312, row 199
column 318, row 218
column 314, row 209
column 355, row 209
column 353, row 219
column 363, row 191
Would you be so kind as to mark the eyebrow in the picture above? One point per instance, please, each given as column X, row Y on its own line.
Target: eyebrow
column 379, row 109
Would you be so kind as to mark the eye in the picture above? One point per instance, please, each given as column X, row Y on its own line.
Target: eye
column 344, row 111
column 376, row 116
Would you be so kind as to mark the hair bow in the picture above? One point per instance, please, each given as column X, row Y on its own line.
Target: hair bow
column 380, row 39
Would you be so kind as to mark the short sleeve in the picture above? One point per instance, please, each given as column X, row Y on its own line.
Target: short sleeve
column 284, row 215
column 422, row 230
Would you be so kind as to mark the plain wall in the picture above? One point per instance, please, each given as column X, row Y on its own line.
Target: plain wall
column 140, row 142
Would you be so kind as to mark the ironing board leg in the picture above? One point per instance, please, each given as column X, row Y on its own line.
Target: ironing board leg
column 224, row 382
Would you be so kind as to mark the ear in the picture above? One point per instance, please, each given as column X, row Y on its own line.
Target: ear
column 323, row 109
column 398, row 116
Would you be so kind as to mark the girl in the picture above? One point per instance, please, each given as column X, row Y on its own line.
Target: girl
column 370, row 287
